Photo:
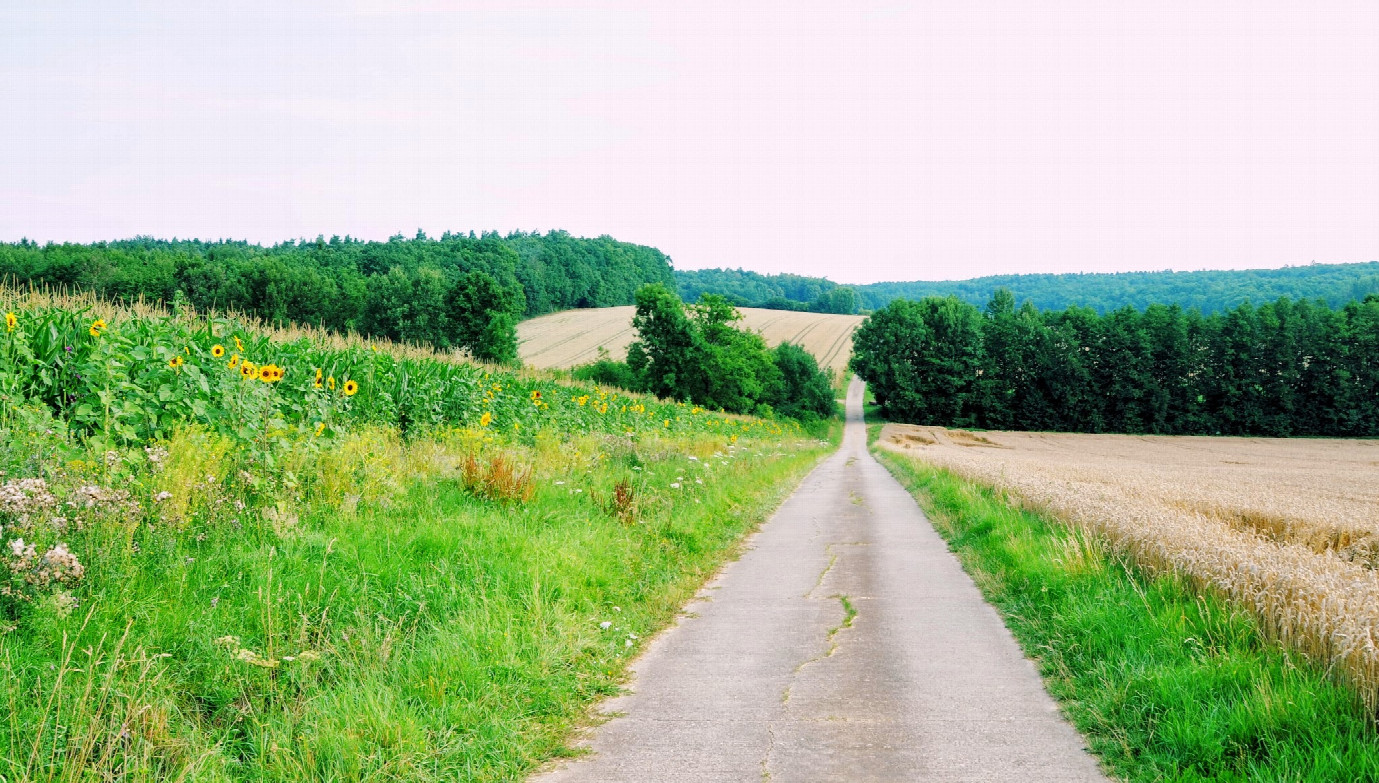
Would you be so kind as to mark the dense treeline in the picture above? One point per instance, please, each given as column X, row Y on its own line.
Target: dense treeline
column 695, row 353
column 775, row 292
column 411, row 290
column 1283, row 368
column 1210, row 292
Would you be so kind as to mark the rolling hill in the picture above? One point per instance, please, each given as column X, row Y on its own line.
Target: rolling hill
column 573, row 337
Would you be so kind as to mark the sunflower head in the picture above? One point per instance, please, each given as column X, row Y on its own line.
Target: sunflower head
column 320, row 427
column 11, row 321
column 248, row 370
column 350, row 388
column 330, row 383
column 239, row 346
column 234, row 362
column 97, row 326
column 486, row 419
column 217, row 350
column 175, row 362
column 318, row 383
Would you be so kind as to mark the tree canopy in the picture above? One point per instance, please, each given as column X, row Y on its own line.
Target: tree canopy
column 697, row 354
column 1209, row 291
column 403, row 289
column 1283, row 368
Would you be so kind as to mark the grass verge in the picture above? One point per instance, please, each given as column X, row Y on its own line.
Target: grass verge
column 437, row 625
column 1166, row 684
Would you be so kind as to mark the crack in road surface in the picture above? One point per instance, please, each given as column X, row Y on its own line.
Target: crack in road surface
column 762, row 683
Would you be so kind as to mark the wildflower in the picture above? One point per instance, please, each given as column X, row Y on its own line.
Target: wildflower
column 161, row 496
column 330, row 383
column 270, row 373
column 175, row 362
column 536, row 395
column 239, row 346
column 667, row 423
column 320, row 428
column 234, row 362
column 605, row 625
column 217, row 350
column 248, row 370
column 317, row 382
column 11, row 321
column 350, row 388
column 97, row 326
column 486, row 419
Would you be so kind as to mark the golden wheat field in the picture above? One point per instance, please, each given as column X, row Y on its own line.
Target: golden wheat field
column 1287, row 528
column 573, row 337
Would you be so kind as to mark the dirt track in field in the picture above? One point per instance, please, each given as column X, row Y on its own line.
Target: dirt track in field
column 573, row 337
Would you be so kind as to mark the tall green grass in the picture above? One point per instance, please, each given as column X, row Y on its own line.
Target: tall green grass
column 1166, row 684
column 435, row 585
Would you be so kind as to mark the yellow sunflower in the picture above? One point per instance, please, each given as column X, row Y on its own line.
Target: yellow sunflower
column 97, row 326
column 248, row 370
column 217, row 350
column 320, row 427
column 11, row 321
column 486, row 419
column 330, row 383
column 350, row 388
column 239, row 346
column 175, row 362
column 317, row 383
column 234, row 362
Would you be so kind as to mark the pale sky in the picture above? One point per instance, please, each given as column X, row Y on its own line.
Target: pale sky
column 862, row 142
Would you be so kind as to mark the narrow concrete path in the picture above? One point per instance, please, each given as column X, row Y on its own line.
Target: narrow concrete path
column 773, row 677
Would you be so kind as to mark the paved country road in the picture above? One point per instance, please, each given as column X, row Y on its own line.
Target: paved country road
column 846, row 644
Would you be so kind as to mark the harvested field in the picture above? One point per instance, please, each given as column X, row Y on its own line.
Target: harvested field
column 1288, row 528
column 573, row 337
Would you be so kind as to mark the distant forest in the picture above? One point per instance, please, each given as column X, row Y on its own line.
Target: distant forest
column 409, row 290
column 1209, row 292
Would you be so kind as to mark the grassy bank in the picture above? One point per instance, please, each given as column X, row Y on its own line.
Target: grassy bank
column 428, row 574
column 1167, row 684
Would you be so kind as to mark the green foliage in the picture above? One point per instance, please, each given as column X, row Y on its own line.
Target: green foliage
column 1284, row 368
column 141, row 377
column 607, row 372
column 772, row 292
column 402, row 289
column 922, row 358
column 218, row 576
column 701, row 356
column 1208, row 291
column 485, row 316
column 1166, row 684
column 802, row 391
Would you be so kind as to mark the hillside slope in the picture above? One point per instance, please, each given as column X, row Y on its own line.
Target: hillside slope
column 573, row 337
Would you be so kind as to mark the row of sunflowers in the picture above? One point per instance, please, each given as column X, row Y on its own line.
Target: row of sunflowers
column 129, row 378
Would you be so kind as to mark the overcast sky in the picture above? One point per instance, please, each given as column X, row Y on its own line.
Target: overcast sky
column 859, row 142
